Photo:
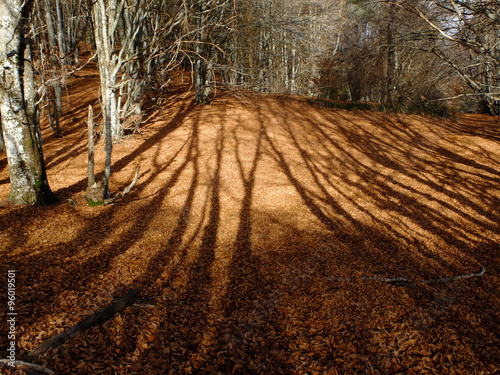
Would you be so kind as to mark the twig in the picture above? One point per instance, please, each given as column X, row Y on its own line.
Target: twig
column 25, row 365
column 409, row 280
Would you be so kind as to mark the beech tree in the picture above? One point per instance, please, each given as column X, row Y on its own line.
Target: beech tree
column 278, row 45
column 116, row 22
column 384, row 55
column 58, row 27
column 18, row 107
column 469, row 32
column 203, row 61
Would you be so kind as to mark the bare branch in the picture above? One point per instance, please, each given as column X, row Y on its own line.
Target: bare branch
column 22, row 365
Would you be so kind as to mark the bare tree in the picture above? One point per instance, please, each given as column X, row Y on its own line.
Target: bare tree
column 126, row 54
column 57, row 27
column 384, row 55
column 468, row 34
column 278, row 45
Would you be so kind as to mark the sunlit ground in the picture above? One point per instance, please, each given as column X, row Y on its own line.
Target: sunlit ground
column 253, row 229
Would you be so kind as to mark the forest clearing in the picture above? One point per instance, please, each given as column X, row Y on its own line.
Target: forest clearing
column 255, row 229
column 249, row 187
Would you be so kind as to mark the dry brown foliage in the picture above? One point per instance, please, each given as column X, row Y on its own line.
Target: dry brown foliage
column 244, row 214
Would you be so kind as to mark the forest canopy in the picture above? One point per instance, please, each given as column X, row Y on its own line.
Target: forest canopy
column 408, row 55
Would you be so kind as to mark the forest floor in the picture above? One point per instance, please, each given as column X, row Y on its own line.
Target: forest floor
column 254, row 229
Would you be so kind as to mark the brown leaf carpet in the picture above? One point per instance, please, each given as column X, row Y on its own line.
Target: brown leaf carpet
column 244, row 214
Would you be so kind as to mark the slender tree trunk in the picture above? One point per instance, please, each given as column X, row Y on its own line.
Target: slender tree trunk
column 53, row 91
column 95, row 190
column 391, row 58
column 108, row 67
column 90, row 164
column 51, row 33
column 108, row 70
column 52, row 110
column 198, row 49
column 203, row 64
column 18, row 108
column 61, row 38
column 293, row 71
column 63, row 51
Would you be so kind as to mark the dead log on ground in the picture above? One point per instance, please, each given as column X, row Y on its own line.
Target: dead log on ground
column 93, row 320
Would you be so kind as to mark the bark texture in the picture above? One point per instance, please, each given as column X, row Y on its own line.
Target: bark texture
column 18, row 108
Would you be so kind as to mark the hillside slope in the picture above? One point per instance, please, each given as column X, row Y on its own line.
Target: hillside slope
column 255, row 228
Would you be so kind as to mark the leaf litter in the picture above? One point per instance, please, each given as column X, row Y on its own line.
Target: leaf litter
column 261, row 230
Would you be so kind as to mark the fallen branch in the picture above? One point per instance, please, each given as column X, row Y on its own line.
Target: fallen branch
column 411, row 281
column 455, row 278
column 22, row 365
column 126, row 190
column 93, row 320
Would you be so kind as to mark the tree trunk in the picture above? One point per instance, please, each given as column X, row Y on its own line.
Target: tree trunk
column 18, row 108
column 54, row 90
column 90, row 164
column 107, row 72
column 391, row 58
column 203, row 65
column 61, row 37
column 51, row 33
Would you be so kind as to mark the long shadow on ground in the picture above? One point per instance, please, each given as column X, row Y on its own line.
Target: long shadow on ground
column 254, row 231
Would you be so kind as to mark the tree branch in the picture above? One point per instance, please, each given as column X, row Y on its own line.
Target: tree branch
column 93, row 320
column 409, row 280
column 20, row 365
column 126, row 190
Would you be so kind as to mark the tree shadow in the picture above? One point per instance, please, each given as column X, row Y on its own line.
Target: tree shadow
column 254, row 231
column 51, row 270
column 385, row 209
